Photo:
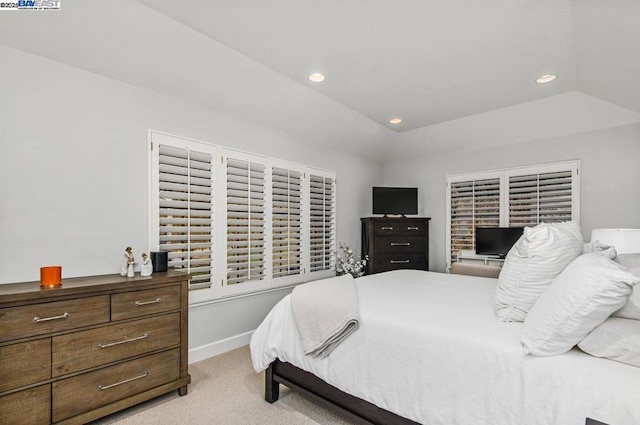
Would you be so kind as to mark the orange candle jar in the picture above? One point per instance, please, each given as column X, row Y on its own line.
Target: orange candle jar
column 51, row 276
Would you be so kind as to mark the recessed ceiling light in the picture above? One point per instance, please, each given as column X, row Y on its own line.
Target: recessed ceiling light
column 546, row 78
column 395, row 120
column 316, row 77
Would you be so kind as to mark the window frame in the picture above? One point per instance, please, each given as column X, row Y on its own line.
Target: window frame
column 219, row 289
column 504, row 175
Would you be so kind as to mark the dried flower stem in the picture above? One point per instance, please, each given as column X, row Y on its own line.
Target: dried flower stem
column 346, row 263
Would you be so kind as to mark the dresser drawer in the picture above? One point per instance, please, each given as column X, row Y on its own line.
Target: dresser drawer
column 28, row 407
column 86, row 349
column 25, row 363
column 40, row 319
column 399, row 228
column 386, row 262
column 81, row 393
column 399, row 244
column 129, row 305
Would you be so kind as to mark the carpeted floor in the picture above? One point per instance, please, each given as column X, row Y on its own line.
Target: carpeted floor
column 225, row 390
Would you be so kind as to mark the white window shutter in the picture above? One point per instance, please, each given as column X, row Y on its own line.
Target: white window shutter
column 286, row 222
column 514, row 197
column 474, row 203
column 245, row 194
column 238, row 222
column 322, row 223
column 540, row 198
column 185, row 205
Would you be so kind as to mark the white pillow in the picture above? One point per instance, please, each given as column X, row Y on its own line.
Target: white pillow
column 595, row 246
column 540, row 254
column 631, row 309
column 616, row 339
column 579, row 299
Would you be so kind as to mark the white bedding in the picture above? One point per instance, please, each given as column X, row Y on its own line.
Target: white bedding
column 430, row 348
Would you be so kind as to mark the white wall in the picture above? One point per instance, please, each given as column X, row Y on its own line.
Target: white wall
column 73, row 176
column 610, row 177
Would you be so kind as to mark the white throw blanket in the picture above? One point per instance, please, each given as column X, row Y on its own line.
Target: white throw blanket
column 325, row 313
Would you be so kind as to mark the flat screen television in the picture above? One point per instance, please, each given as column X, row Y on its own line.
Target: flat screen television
column 395, row 200
column 496, row 241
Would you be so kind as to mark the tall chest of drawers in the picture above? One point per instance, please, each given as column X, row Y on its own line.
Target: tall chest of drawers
column 395, row 243
column 92, row 347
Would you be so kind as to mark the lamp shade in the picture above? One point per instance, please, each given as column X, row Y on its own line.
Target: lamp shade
column 625, row 241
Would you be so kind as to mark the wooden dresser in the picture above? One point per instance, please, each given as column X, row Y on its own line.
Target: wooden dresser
column 395, row 243
column 92, row 347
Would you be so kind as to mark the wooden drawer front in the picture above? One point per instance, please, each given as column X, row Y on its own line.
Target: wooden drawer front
column 25, row 363
column 399, row 244
column 86, row 349
column 81, row 393
column 28, row 407
column 400, row 228
column 40, row 319
column 386, row 262
column 141, row 303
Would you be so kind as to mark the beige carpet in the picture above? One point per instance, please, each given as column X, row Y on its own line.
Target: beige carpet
column 225, row 390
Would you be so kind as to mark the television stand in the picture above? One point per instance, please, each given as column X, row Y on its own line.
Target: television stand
column 470, row 257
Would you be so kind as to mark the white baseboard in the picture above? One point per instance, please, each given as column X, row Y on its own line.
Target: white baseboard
column 219, row 347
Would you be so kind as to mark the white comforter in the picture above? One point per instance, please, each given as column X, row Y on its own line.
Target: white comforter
column 430, row 348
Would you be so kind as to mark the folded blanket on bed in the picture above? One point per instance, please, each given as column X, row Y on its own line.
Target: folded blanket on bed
column 325, row 313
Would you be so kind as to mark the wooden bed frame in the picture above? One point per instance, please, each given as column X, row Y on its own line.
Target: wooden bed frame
column 355, row 409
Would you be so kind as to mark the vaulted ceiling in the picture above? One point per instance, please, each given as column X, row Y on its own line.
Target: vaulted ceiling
column 423, row 60
column 430, row 62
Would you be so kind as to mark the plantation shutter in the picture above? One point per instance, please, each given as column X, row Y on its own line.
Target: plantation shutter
column 237, row 222
column 185, row 223
column 474, row 203
column 322, row 223
column 286, row 214
column 540, row 197
column 245, row 221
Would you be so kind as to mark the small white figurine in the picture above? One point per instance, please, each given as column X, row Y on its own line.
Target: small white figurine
column 127, row 264
column 146, row 268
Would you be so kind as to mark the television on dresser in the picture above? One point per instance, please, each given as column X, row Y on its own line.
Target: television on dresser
column 395, row 200
column 496, row 241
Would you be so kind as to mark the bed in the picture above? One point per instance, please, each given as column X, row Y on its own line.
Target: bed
column 429, row 350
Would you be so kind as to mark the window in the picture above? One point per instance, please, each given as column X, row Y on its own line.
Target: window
column 286, row 221
column 474, row 203
column 515, row 197
column 245, row 221
column 239, row 222
column 540, row 197
column 184, row 211
column 322, row 226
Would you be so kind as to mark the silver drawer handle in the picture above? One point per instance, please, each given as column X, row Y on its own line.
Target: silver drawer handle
column 413, row 228
column 156, row 301
column 400, row 243
column 387, row 228
column 46, row 319
column 106, row 387
column 111, row 344
column 399, row 261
